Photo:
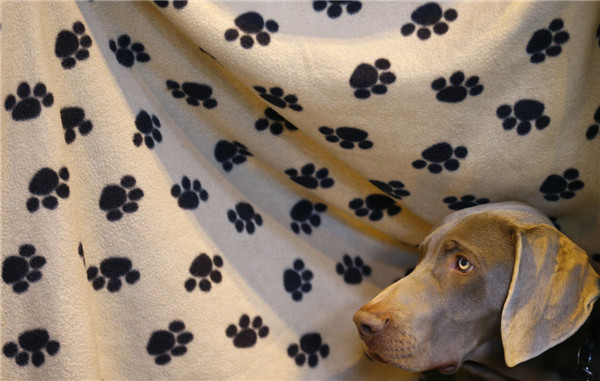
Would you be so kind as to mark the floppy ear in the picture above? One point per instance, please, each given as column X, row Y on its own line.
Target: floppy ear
column 551, row 294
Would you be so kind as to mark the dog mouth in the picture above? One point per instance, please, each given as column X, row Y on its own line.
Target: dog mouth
column 447, row 369
column 374, row 356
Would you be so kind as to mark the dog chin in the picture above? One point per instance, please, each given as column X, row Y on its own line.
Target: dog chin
column 444, row 368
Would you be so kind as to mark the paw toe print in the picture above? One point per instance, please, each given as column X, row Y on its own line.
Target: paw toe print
column 353, row 270
column 368, row 79
column 44, row 184
column 118, row 198
column 441, row 154
column 244, row 217
column 592, row 130
column 466, row 201
column 310, row 347
column 457, row 91
column 296, row 281
column 126, row 53
column 305, row 216
column 276, row 96
column 393, row 188
column 28, row 106
column 348, row 137
column 547, row 42
column 206, row 269
column 177, row 4
column 72, row 118
column 72, row 45
column 148, row 130
column 252, row 23
column 524, row 113
column 163, row 344
column 563, row 186
column 335, row 8
column 310, row 178
column 113, row 269
column 429, row 15
column 374, row 206
column 195, row 93
column 31, row 344
column 274, row 122
column 246, row 336
column 19, row 271
column 230, row 154
column 191, row 195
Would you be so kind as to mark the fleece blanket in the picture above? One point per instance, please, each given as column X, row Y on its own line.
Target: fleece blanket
column 209, row 190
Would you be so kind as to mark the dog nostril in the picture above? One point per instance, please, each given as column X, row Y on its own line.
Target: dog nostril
column 366, row 329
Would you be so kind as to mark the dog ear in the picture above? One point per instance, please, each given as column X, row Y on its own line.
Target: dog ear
column 551, row 294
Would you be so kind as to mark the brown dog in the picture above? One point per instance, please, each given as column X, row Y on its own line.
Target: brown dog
column 495, row 287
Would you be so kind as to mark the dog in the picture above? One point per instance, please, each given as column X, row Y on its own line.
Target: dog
column 496, row 289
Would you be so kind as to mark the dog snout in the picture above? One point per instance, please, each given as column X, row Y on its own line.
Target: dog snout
column 370, row 323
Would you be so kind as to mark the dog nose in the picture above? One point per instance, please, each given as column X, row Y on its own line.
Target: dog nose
column 369, row 323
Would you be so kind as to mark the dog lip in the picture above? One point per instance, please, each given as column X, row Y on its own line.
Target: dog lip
column 447, row 368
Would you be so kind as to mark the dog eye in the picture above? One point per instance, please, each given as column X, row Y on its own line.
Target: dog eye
column 463, row 265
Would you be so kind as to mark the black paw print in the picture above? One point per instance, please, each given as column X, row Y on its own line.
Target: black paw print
column 466, row 201
column 393, row 188
column 547, row 42
column 31, row 344
column 28, row 107
column 457, row 91
column 556, row 187
column 22, row 269
column 348, row 137
column 306, row 214
column 441, row 154
column 247, row 336
column 353, row 271
column 426, row 16
column 177, row 4
column 44, row 184
column 118, row 198
column 244, row 217
column 72, row 46
column 148, row 127
column 367, row 79
column 252, row 23
column 230, row 154
column 126, row 52
column 163, row 344
column 296, row 281
column 274, row 122
column 310, row 178
column 191, row 195
column 526, row 111
column 72, row 118
column 193, row 92
column 311, row 346
column 112, row 269
column 204, row 267
column 335, row 8
column 276, row 96
column 374, row 206
column 592, row 130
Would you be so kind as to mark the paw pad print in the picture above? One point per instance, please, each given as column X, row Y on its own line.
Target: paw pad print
column 305, row 216
column 563, row 186
column 253, row 26
column 19, row 271
column 466, row 201
column 374, row 206
column 28, row 106
column 195, row 93
column 522, row 114
column 428, row 16
column 336, row 8
column 458, row 89
column 117, row 199
column 310, row 347
column 592, row 130
column 276, row 96
column 72, row 118
column 31, row 345
column 372, row 79
column 206, row 269
column 230, row 154
column 163, row 344
column 126, row 52
column 244, row 335
column 72, row 45
column 348, row 137
column 393, row 188
column 296, row 281
column 189, row 195
column 113, row 269
column 547, row 42
column 244, row 217
column 441, row 154
column 44, row 185
column 352, row 270
column 310, row 178
column 148, row 130
column 177, row 4
column 274, row 122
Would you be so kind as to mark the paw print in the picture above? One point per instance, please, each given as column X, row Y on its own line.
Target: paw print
column 252, row 23
column 335, row 8
column 466, row 201
column 304, row 215
column 526, row 111
column 118, row 198
column 193, row 92
column 592, row 130
column 31, row 344
column 230, row 154
column 126, row 52
column 296, row 281
column 310, row 178
column 44, row 184
column 148, row 127
column 456, row 91
column 367, row 79
column 28, row 107
column 274, row 122
column 428, row 15
column 277, row 98
column 247, row 336
column 72, row 45
column 353, row 271
column 163, row 344
column 177, row 4
column 72, row 118
column 244, row 217
column 441, row 154
column 310, row 346
column 374, row 206
column 203, row 267
column 547, row 42
column 191, row 195
column 23, row 269
column 348, row 137
column 112, row 269
column 393, row 188
column 556, row 187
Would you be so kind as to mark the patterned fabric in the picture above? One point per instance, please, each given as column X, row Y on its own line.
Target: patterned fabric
column 195, row 190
